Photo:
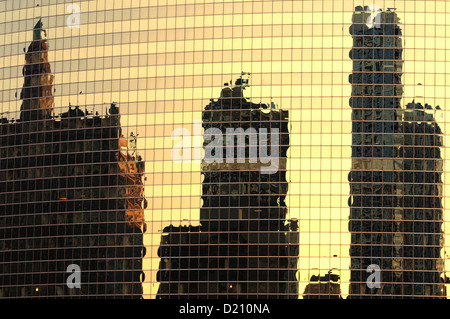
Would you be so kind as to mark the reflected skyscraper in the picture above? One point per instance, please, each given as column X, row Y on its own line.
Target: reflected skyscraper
column 395, row 181
column 245, row 247
column 70, row 195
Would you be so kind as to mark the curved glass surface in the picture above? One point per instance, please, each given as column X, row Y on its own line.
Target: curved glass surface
column 223, row 149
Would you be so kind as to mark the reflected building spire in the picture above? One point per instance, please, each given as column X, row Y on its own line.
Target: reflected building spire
column 36, row 95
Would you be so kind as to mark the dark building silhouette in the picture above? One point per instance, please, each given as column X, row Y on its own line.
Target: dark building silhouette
column 69, row 194
column 395, row 181
column 245, row 247
column 323, row 287
column 422, row 234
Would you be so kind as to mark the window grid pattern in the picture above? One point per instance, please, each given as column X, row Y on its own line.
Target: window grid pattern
column 115, row 157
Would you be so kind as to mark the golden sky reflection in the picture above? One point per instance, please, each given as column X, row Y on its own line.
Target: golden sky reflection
column 297, row 53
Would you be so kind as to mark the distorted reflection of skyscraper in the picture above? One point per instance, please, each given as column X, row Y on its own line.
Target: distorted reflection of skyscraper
column 68, row 195
column 323, row 287
column 395, row 183
column 422, row 238
column 244, row 247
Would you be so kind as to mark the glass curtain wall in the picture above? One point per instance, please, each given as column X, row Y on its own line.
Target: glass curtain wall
column 224, row 149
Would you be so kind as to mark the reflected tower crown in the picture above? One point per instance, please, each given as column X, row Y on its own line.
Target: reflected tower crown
column 37, row 98
column 39, row 33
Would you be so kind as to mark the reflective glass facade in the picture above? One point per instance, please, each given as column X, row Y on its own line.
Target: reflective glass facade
column 224, row 149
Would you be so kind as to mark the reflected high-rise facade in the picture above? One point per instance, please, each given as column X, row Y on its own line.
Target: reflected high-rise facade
column 71, row 197
column 245, row 247
column 396, row 187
